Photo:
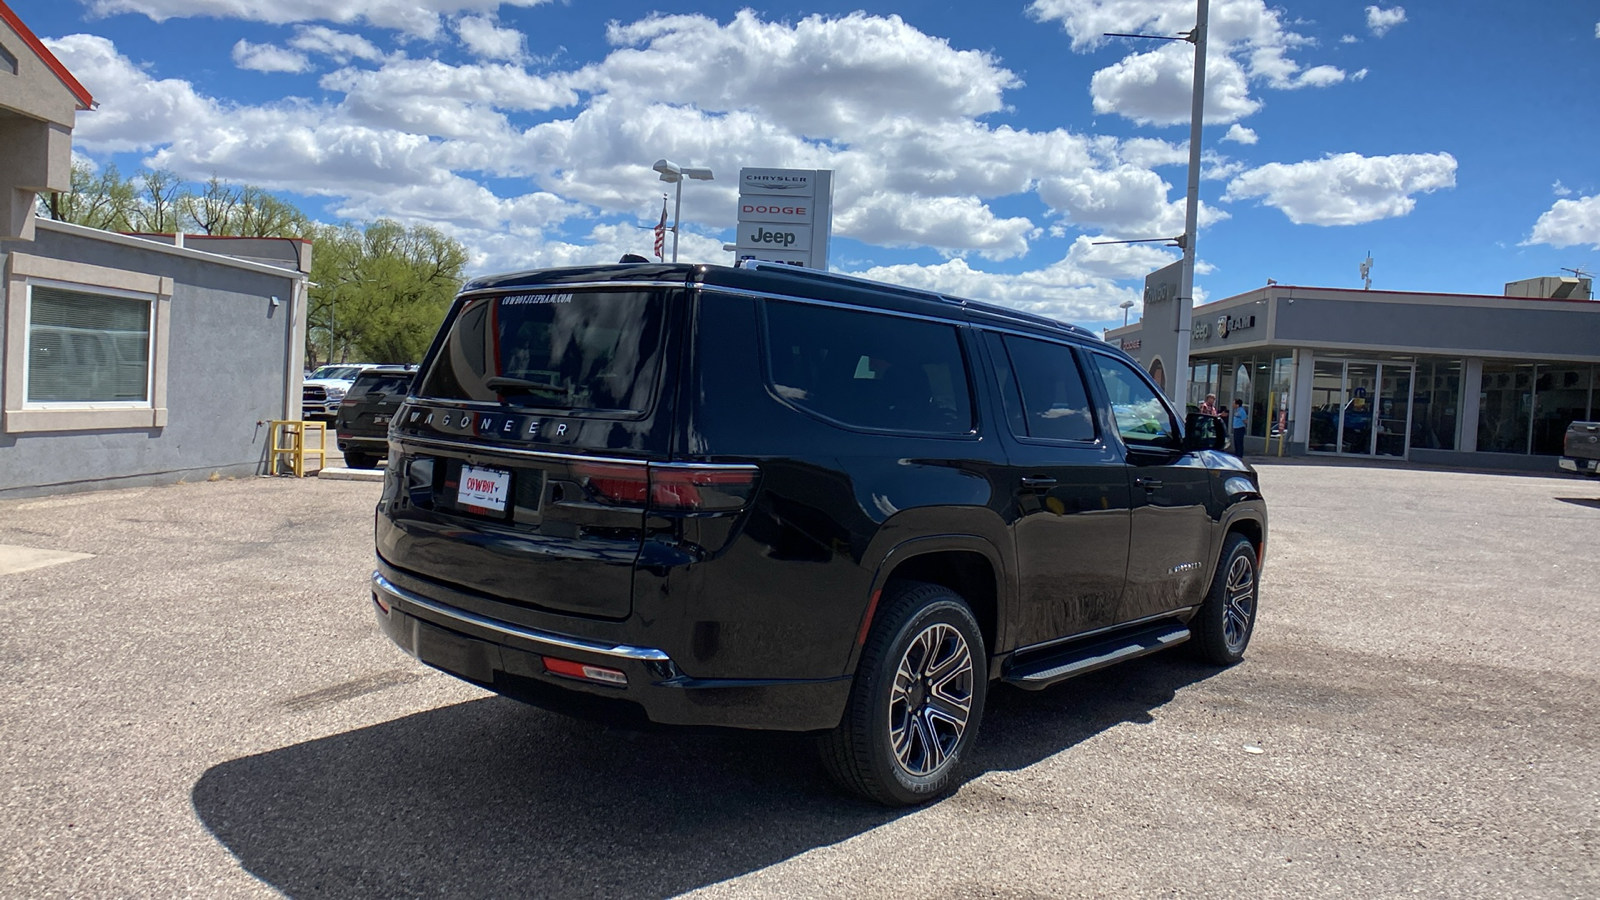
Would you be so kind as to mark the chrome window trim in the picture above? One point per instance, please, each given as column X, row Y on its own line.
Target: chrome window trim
column 490, row 449
column 564, row 642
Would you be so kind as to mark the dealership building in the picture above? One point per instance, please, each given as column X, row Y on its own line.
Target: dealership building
column 1441, row 379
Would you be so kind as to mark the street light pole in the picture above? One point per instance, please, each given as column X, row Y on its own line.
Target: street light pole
column 673, row 174
column 1191, row 217
column 677, row 207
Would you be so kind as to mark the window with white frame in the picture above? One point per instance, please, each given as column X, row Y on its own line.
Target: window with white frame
column 87, row 347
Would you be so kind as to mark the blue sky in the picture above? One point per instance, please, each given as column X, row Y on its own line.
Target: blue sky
column 978, row 149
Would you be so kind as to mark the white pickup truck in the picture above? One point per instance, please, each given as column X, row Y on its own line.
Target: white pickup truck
column 321, row 393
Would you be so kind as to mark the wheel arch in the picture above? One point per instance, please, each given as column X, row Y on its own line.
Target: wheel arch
column 966, row 564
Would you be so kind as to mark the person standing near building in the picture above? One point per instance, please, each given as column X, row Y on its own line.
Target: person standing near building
column 1241, row 419
column 1208, row 406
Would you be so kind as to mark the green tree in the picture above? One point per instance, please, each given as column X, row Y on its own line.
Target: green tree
column 381, row 290
column 161, row 196
column 105, row 200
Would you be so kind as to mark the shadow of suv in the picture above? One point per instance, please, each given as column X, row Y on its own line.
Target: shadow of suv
column 775, row 498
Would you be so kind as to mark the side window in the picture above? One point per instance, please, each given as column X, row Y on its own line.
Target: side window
column 1054, row 402
column 870, row 370
column 1141, row 416
column 1007, row 379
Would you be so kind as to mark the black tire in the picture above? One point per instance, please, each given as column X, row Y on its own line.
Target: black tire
column 918, row 626
column 1221, row 630
column 360, row 460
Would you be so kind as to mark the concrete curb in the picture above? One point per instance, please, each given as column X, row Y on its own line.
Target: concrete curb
column 336, row 473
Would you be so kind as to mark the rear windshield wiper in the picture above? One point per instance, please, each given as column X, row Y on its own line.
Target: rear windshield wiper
column 505, row 384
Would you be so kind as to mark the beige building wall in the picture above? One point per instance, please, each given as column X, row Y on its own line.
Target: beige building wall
column 37, row 113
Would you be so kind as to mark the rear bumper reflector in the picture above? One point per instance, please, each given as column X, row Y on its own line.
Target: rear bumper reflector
column 585, row 672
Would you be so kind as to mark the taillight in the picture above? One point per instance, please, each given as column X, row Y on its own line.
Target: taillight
column 623, row 485
column 698, row 488
column 674, row 487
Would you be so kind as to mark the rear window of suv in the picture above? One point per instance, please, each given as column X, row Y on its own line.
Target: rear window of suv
column 868, row 369
column 390, row 383
column 587, row 350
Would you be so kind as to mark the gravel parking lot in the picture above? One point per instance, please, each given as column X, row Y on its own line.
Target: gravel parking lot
column 203, row 706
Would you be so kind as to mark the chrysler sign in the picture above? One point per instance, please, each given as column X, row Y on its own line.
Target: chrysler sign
column 782, row 182
column 785, row 215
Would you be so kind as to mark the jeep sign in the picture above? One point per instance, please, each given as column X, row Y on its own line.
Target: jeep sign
column 786, row 239
column 785, row 215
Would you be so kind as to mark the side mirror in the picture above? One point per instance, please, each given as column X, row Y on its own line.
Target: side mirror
column 1203, row 432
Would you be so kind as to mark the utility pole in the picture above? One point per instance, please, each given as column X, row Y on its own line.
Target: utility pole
column 1191, row 217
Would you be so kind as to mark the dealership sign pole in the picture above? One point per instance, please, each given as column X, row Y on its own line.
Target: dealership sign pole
column 785, row 215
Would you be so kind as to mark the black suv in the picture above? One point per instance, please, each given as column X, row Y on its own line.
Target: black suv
column 775, row 498
column 362, row 423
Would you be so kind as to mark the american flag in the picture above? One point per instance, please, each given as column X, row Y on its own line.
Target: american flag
column 661, row 230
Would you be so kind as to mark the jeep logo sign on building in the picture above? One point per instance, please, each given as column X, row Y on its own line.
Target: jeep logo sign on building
column 785, row 215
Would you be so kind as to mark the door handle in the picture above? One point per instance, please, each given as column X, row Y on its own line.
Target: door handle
column 1148, row 484
column 1038, row 481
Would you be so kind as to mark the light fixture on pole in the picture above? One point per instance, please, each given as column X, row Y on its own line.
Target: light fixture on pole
column 1125, row 306
column 673, row 174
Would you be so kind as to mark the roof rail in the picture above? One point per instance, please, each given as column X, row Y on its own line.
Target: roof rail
column 805, row 271
column 979, row 305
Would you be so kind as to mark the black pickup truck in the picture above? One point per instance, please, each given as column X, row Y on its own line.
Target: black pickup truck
column 1581, row 450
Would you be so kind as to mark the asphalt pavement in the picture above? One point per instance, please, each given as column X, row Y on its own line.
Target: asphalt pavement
column 203, row 706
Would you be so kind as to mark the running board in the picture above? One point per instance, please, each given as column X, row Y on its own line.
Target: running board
column 1036, row 674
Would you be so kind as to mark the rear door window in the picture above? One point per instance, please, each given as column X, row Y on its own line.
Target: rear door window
column 587, row 350
column 1054, row 402
column 869, row 370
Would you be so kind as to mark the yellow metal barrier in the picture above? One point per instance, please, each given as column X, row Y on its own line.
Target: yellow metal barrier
column 297, row 448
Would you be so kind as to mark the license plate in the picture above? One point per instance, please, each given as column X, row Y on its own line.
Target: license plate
column 380, row 420
column 483, row 489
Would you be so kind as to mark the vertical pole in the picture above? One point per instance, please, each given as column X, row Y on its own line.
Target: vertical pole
column 1191, row 218
column 677, row 205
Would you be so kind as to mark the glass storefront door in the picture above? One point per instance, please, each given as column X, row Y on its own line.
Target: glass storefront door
column 1360, row 408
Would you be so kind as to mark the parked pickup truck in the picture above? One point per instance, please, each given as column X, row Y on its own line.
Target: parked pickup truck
column 1581, row 451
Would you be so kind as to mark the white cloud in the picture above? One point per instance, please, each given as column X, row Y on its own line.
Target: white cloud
column 1347, row 188
column 1240, row 134
column 1597, row 29
column 486, row 40
column 1349, row 39
column 899, row 115
column 1248, row 42
column 947, row 223
column 418, row 17
column 1380, row 20
column 1061, row 290
column 1560, row 190
column 339, row 46
column 1569, row 223
column 860, row 73
column 1155, row 88
column 268, row 58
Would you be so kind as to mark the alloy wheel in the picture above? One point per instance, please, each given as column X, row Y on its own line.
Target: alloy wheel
column 931, row 701
column 1240, row 603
